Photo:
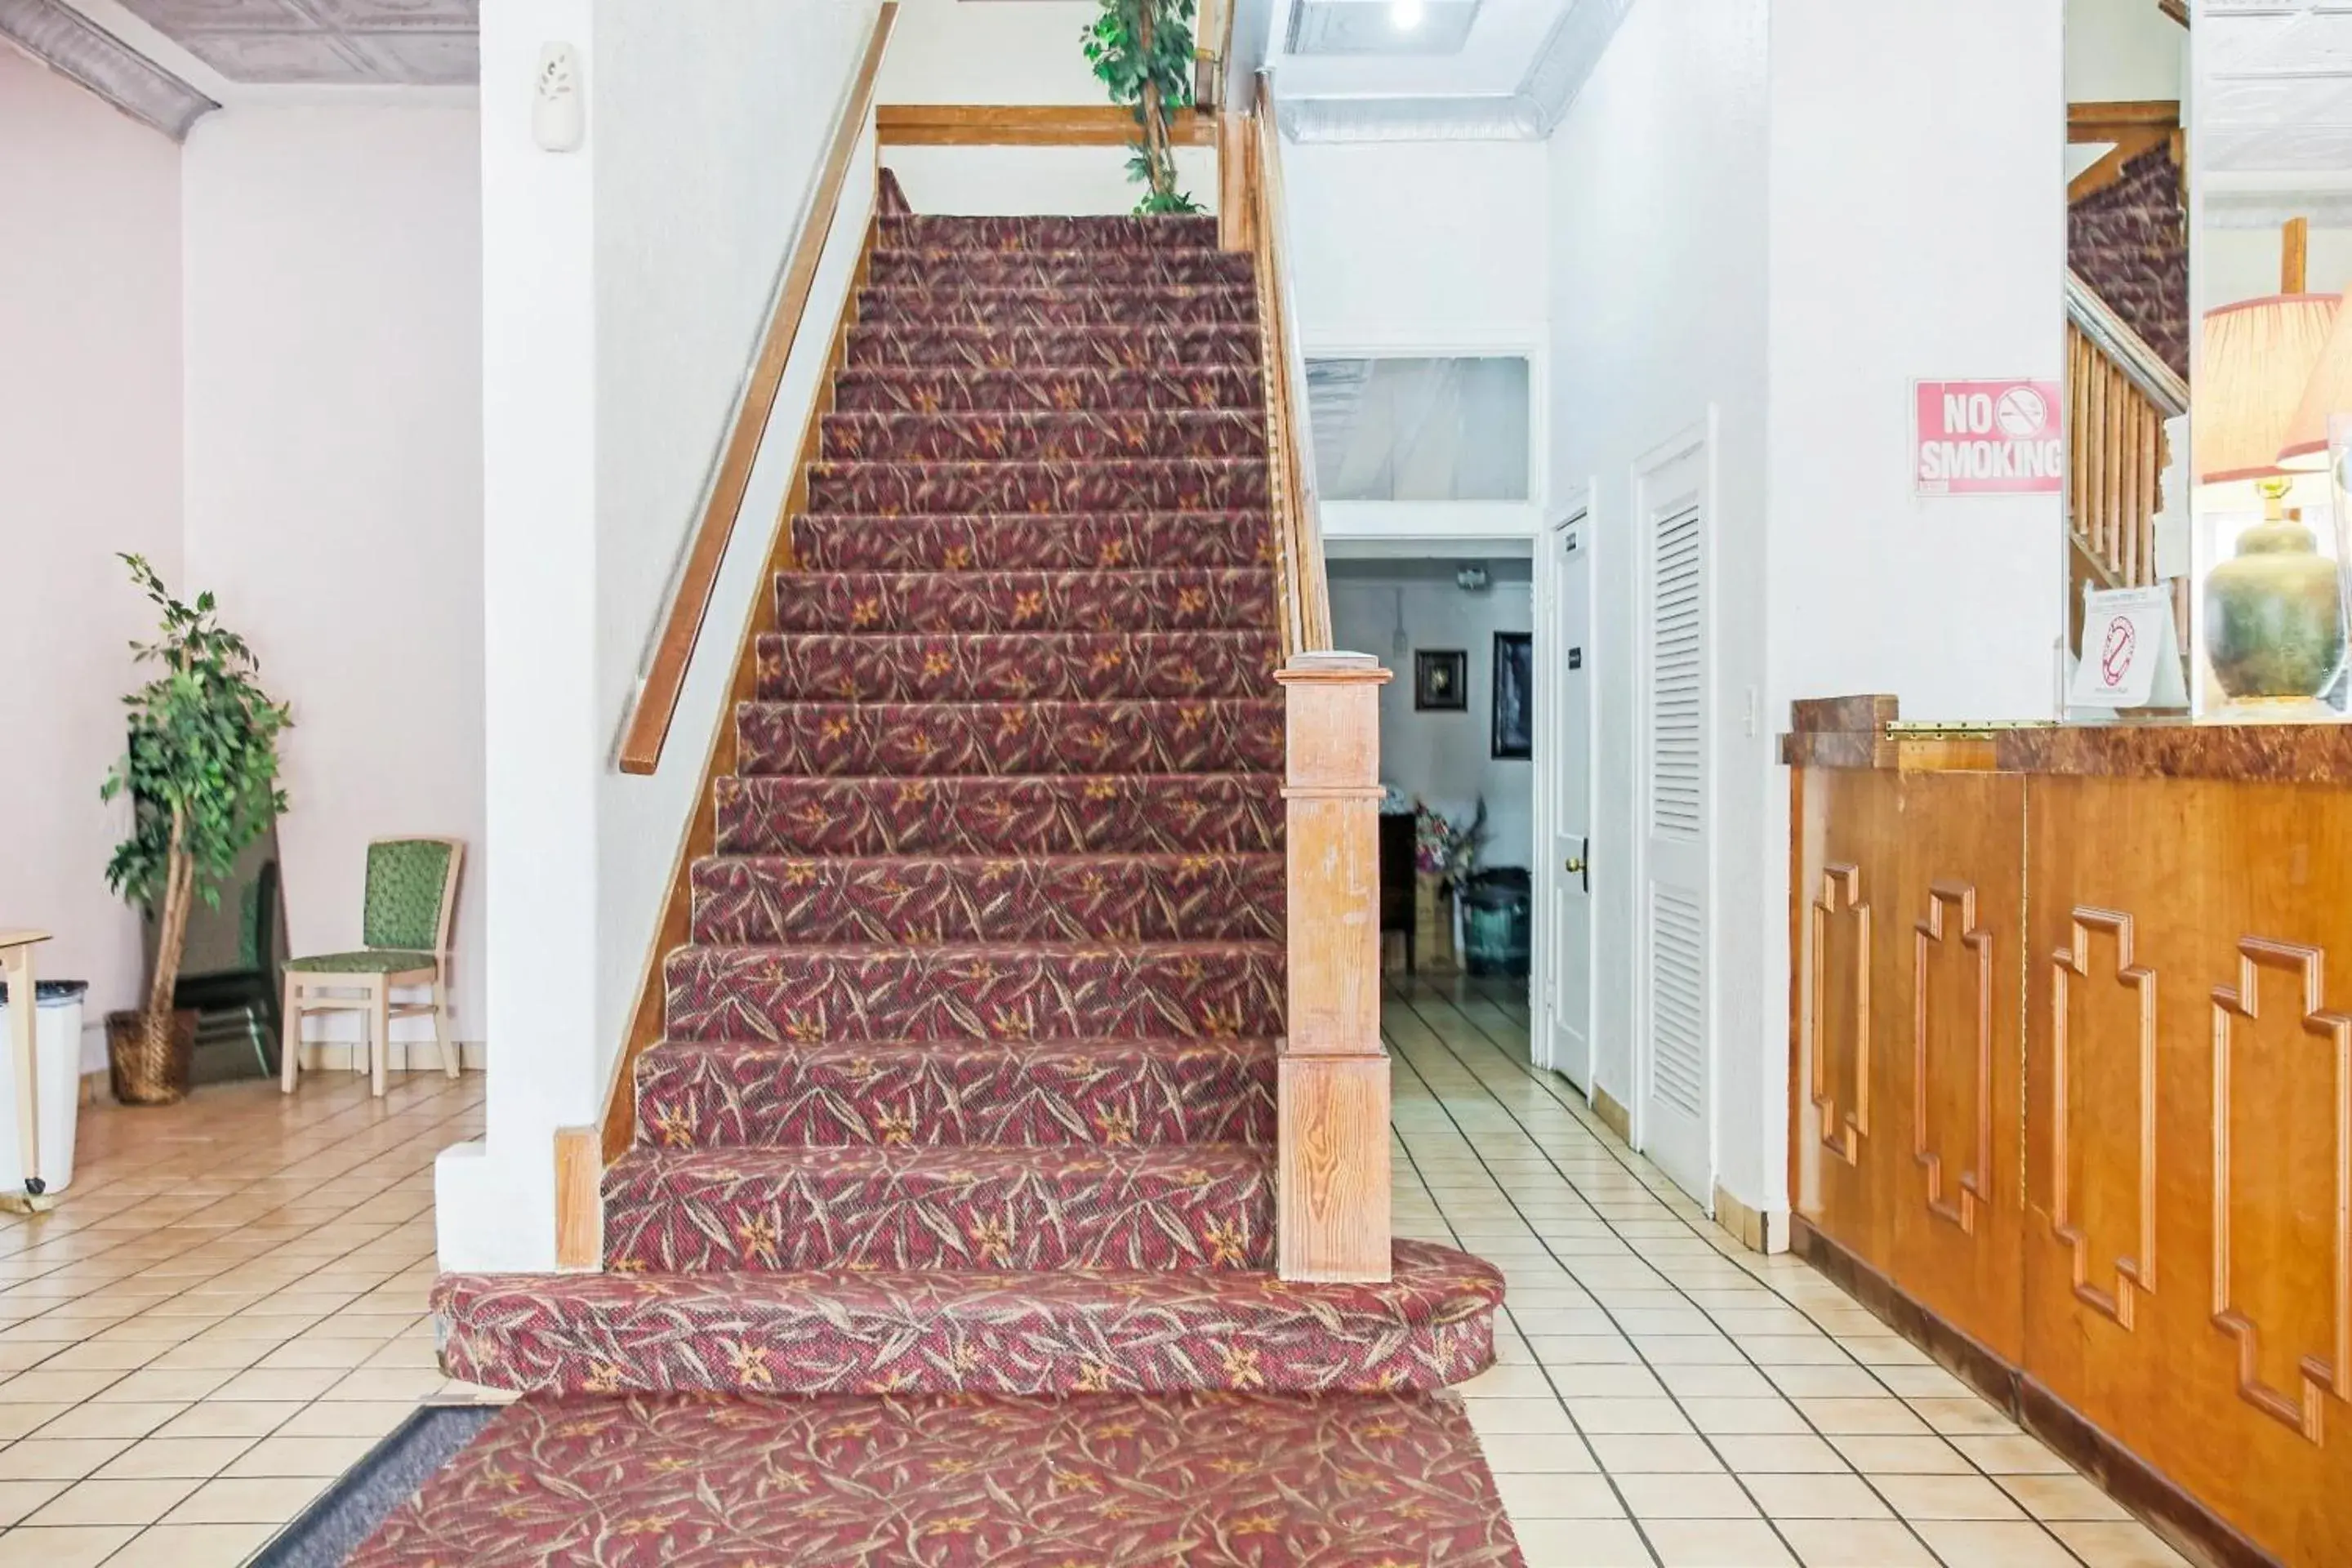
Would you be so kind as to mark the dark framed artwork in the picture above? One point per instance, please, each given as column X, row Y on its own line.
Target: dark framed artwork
column 1441, row 680
column 1514, row 709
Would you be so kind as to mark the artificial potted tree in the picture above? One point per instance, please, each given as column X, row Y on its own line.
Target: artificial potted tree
column 201, row 770
column 1142, row 51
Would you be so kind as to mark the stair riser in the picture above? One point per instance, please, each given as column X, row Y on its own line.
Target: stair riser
column 1029, row 233
column 1099, row 541
column 1098, row 392
column 1041, row 437
column 910, row 740
column 949, row 993
column 977, row 1333
column 1202, row 599
column 1009, row 667
column 1050, row 269
column 1171, row 814
column 1128, row 484
column 1000, row 310
column 765, row 902
column 723, row 1097
column 1066, row 1209
column 1232, row 344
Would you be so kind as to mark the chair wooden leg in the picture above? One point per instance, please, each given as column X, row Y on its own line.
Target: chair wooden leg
column 379, row 1027
column 289, row 1039
column 441, row 1029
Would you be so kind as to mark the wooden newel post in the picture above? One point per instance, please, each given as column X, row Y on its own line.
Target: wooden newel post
column 1334, row 1084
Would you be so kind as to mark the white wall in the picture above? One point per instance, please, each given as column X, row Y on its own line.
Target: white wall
column 1727, row 250
column 1444, row 758
column 334, row 482
column 1008, row 51
column 2123, row 51
column 1011, row 51
column 1424, row 247
column 2236, row 263
column 709, row 140
column 89, row 465
column 1019, row 181
column 1658, row 306
column 2120, row 51
column 1953, row 605
column 624, row 288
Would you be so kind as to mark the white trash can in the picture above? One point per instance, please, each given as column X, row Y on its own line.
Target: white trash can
column 57, row 1059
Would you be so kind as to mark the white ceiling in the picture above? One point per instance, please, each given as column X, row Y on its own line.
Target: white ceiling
column 2274, row 87
column 2273, row 110
column 1504, row 39
column 1510, row 76
column 227, row 45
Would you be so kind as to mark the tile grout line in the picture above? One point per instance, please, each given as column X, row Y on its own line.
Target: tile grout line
column 1412, row 1004
column 1771, row 1524
column 1581, row 1436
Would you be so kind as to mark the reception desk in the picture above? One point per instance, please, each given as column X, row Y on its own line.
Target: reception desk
column 2071, row 1101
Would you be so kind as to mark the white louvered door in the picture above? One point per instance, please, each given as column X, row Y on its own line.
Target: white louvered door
column 1674, row 1027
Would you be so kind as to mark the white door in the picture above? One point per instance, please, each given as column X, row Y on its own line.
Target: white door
column 1675, row 1029
column 1569, row 992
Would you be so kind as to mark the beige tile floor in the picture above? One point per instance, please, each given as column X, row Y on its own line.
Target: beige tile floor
column 224, row 1312
column 228, row 1310
column 1664, row 1396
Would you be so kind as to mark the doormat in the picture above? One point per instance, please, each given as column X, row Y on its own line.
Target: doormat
column 1184, row 1481
column 348, row 1513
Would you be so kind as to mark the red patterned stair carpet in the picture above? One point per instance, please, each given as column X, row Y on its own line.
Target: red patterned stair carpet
column 968, row 1082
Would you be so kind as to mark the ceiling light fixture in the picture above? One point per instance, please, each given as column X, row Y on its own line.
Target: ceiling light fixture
column 1406, row 14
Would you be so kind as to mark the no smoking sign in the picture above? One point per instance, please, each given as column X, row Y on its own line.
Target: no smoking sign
column 1988, row 437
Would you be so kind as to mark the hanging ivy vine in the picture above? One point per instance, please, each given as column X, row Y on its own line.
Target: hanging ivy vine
column 1142, row 51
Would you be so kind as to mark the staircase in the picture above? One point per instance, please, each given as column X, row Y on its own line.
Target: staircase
column 968, row 1078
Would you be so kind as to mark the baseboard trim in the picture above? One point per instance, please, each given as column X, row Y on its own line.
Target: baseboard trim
column 2192, row 1529
column 1613, row 1116
column 1758, row 1230
column 407, row 1056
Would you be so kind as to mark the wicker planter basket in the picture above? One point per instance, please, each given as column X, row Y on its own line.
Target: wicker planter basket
column 1432, row 937
column 149, row 1065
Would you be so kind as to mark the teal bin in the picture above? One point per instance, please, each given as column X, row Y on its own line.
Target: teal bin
column 1494, row 923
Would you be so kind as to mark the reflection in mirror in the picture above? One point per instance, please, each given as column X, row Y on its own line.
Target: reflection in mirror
column 2272, row 255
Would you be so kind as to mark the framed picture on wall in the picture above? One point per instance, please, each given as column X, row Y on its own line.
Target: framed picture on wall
column 1515, row 723
column 1441, row 680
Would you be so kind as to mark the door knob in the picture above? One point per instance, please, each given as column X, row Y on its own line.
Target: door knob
column 1575, row 864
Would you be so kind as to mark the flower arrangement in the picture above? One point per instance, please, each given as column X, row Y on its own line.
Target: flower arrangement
column 1444, row 849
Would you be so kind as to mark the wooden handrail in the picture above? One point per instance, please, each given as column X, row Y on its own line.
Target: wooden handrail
column 1299, row 526
column 1026, row 125
column 1332, row 1086
column 2097, row 319
column 647, row 729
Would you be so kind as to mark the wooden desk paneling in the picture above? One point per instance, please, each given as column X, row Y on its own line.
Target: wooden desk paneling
column 2189, row 1137
column 2072, row 1077
column 1905, row 1148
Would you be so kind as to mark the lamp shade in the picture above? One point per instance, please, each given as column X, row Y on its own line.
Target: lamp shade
column 2256, row 364
column 2329, row 391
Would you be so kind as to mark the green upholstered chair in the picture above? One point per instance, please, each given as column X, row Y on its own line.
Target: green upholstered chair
column 411, row 897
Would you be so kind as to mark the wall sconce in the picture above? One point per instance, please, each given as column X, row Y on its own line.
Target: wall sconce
column 559, row 108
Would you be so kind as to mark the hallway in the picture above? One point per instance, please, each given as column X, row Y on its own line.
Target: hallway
column 1664, row 1396
column 229, row 1307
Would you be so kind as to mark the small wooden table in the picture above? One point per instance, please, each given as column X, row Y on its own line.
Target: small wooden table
column 24, row 1013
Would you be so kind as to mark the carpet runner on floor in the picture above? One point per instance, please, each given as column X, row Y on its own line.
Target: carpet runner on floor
column 1201, row 1480
column 967, row 1085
